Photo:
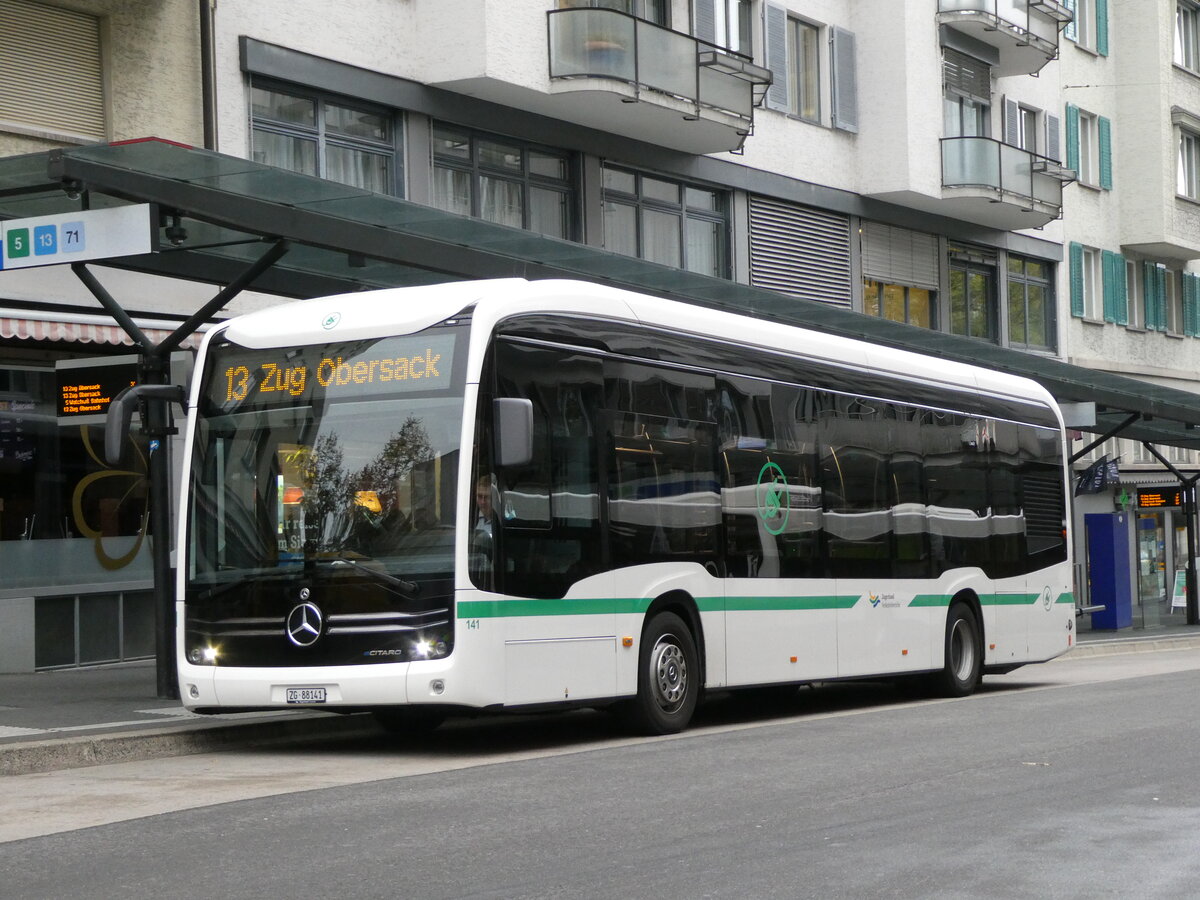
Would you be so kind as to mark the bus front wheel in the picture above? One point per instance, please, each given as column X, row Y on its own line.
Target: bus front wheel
column 964, row 657
column 668, row 677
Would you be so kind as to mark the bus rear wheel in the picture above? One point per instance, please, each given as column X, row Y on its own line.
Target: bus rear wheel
column 668, row 677
column 964, row 655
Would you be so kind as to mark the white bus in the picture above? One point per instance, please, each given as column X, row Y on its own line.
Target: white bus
column 520, row 495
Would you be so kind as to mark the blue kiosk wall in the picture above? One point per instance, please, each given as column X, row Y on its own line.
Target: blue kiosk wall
column 1108, row 569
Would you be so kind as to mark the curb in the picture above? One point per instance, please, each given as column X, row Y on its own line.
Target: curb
column 1117, row 646
column 52, row 755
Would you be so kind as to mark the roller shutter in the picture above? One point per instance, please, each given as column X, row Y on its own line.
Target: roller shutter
column 50, row 69
column 899, row 256
column 800, row 251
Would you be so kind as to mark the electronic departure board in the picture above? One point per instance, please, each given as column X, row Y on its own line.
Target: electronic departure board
column 1154, row 498
column 87, row 387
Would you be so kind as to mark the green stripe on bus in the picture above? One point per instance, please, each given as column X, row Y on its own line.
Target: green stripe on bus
column 931, row 600
column 1068, row 597
column 496, row 609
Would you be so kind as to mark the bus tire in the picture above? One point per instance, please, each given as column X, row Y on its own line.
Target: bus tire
column 964, row 653
column 668, row 677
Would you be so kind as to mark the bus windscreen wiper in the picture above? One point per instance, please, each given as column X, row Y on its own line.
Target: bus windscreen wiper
column 407, row 589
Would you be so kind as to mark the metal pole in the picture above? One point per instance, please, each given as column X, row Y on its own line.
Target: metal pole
column 156, row 419
column 1189, row 509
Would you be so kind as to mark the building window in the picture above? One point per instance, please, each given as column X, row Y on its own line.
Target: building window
column 726, row 23
column 1089, row 26
column 665, row 221
column 1030, row 304
column 1092, row 297
column 328, row 137
column 973, row 293
column 898, row 302
column 1134, row 309
column 1188, row 176
column 968, row 91
column 1089, row 147
column 503, row 180
column 1187, row 35
column 804, row 70
column 651, row 10
column 1173, row 297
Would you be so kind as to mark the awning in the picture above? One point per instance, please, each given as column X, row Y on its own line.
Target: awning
column 81, row 330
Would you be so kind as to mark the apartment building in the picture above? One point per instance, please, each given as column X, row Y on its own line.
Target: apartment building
column 1020, row 172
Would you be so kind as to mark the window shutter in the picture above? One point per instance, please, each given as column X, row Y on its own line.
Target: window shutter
column 845, row 79
column 1073, row 138
column 800, row 251
column 1076, row 262
column 1102, row 27
column 775, row 23
column 899, row 256
column 1106, row 175
column 706, row 20
column 1012, row 123
column 1191, row 304
column 1122, row 289
column 1071, row 32
column 966, row 75
column 1052, row 138
column 50, row 70
column 1110, row 287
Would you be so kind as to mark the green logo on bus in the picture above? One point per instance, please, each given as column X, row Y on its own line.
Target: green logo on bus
column 772, row 497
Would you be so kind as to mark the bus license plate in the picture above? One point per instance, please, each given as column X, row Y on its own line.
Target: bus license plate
column 306, row 695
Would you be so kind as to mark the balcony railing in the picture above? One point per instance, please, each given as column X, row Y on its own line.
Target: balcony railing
column 613, row 45
column 1033, row 25
column 1014, row 174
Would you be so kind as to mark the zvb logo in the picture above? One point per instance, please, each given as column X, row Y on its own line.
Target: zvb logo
column 304, row 624
column 874, row 598
column 331, row 320
column 772, row 497
column 1047, row 598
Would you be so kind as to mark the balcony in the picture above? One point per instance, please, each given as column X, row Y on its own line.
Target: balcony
column 628, row 76
column 995, row 184
column 1023, row 32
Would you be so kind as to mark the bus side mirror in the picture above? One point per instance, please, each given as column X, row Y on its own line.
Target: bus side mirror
column 120, row 413
column 513, row 418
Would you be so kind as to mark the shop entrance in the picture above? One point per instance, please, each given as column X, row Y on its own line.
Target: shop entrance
column 1152, row 598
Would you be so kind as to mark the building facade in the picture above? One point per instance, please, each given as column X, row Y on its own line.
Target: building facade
column 1022, row 172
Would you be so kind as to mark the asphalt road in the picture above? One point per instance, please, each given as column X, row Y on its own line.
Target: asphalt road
column 1073, row 779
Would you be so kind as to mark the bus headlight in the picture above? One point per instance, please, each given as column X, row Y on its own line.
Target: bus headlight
column 203, row 656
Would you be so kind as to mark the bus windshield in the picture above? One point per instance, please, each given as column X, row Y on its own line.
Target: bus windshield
column 336, row 458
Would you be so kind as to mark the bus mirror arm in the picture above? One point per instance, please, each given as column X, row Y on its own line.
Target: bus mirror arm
column 120, row 413
column 513, row 417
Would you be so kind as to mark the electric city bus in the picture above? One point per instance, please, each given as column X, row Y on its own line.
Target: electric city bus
column 519, row 495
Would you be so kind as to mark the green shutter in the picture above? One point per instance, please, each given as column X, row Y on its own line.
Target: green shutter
column 1160, row 295
column 1109, row 266
column 1073, row 137
column 1105, row 128
column 1191, row 304
column 1102, row 27
column 1076, row 262
column 1122, row 291
column 1071, row 32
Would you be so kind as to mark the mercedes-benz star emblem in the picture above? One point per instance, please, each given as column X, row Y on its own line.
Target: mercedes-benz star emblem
column 304, row 624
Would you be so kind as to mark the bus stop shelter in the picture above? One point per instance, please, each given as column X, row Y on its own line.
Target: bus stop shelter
column 237, row 224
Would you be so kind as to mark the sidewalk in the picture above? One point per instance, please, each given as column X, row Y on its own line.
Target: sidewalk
column 77, row 717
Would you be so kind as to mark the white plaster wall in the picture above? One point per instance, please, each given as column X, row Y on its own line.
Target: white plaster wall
column 151, row 68
column 1135, row 86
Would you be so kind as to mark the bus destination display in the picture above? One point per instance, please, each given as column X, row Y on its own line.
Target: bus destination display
column 286, row 377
